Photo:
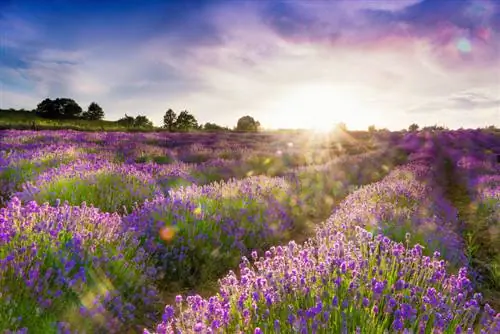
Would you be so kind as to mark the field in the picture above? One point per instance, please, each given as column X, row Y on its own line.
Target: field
column 116, row 232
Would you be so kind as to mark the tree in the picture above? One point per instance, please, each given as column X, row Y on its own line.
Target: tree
column 185, row 121
column 413, row 128
column 372, row 129
column 94, row 112
column 58, row 108
column 169, row 120
column 247, row 124
column 142, row 122
column 126, row 121
column 214, row 127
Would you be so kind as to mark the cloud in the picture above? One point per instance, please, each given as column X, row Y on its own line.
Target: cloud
column 225, row 59
column 456, row 32
column 468, row 101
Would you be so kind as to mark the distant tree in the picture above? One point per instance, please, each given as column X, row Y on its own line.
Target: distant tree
column 126, row 121
column 142, row 122
column 433, row 128
column 413, row 128
column 247, row 124
column 372, row 129
column 214, row 127
column 59, row 108
column 185, row 121
column 94, row 112
column 169, row 120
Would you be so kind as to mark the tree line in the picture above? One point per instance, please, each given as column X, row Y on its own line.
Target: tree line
column 66, row 108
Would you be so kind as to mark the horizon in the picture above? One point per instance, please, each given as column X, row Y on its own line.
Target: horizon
column 290, row 65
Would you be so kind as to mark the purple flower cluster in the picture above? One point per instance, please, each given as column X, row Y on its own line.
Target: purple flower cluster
column 58, row 263
column 214, row 225
column 406, row 201
column 337, row 282
column 85, row 180
column 19, row 166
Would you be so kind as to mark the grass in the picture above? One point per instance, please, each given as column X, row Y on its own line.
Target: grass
column 482, row 246
column 111, row 192
column 24, row 121
column 13, row 176
column 159, row 159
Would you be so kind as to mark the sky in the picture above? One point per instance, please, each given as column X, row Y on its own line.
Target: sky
column 289, row 64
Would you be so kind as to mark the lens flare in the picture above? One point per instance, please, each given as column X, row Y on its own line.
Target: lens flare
column 167, row 233
column 464, row 45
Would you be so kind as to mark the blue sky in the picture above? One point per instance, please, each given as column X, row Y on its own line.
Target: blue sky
column 287, row 63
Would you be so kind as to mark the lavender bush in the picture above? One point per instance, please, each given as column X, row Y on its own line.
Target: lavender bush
column 67, row 267
column 338, row 282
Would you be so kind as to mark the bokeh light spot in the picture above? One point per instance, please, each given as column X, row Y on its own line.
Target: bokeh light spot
column 197, row 211
column 167, row 233
column 464, row 45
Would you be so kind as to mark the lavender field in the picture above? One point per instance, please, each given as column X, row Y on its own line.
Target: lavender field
column 249, row 232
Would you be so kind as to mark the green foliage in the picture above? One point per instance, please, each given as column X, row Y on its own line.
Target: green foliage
column 214, row 127
column 24, row 120
column 433, row 128
column 22, row 171
column 195, row 157
column 127, row 121
column 210, row 250
column 142, row 122
column 94, row 112
column 110, row 192
column 185, row 122
column 169, row 120
column 414, row 127
column 59, row 108
column 166, row 184
column 162, row 160
column 247, row 124
column 137, row 122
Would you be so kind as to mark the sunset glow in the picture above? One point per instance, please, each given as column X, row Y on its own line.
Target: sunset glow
column 319, row 107
column 304, row 64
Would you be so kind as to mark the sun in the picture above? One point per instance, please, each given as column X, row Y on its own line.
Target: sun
column 319, row 107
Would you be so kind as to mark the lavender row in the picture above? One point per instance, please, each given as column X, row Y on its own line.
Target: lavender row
column 212, row 226
column 478, row 171
column 347, row 280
